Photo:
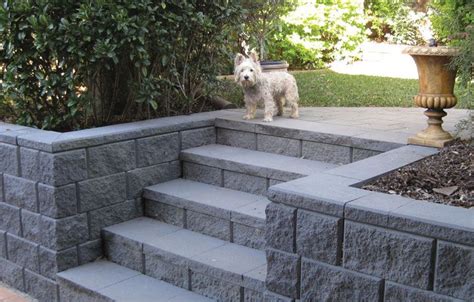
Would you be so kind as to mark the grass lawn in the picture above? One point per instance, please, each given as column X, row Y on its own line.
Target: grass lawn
column 325, row 88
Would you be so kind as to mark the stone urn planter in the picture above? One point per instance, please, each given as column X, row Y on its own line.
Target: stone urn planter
column 272, row 66
column 436, row 85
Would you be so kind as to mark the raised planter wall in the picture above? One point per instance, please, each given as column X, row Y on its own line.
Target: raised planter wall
column 58, row 190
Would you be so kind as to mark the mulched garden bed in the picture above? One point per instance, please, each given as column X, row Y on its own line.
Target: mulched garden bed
column 446, row 177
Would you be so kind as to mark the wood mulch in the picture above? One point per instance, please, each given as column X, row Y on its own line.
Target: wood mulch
column 446, row 177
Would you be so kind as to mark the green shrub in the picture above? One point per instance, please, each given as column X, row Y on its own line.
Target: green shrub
column 70, row 64
column 318, row 32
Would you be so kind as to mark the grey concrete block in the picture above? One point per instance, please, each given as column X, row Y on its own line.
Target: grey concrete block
column 274, row 182
column 10, row 219
column 280, row 227
column 214, row 288
column 157, row 149
column 72, row 292
column 30, row 223
column 52, row 262
column 114, row 214
column 163, row 212
column 323, row 282
column 23, row 252
column 111, row 159
column 101, row 192
column 159, row 269
column 11, row 274
column 9, row 155
column 326, row 152
column 57, row 202
column 201, row 173
column 244, row 182
column 209, row 225
column 198, row 137
column 454, row 274
column 239, row 124
column 144, row 177
column 255, row 279
column 279, row 145
column 396, row 292
column 3, row 244
column 90, row 251
column 248, row 236
column 43, row 289
column 395, row 256
column 40, row 140
column 252, row 296
column 240, row 139
column 434, row 220
column 283, row 274
column 29, row 163
column 319, row 237
column 123, row 251
column 62, row 168
column 273, row 297
column 58, row 234
column 20, row 192
column 1, row 188
column 360, row 154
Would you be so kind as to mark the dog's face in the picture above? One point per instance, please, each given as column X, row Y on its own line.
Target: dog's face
column 246, row 70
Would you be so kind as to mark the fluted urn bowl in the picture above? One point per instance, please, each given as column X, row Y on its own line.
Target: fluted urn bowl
column 436, row 91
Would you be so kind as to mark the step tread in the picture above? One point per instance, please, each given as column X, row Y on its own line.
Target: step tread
column 222, row 202
column 203, row 253
column 221, row 155
column 122, row 284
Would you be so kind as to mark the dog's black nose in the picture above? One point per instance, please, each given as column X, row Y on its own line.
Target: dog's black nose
column 246, row 77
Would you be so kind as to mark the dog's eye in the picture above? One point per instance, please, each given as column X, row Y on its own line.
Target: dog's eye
column 251, row 70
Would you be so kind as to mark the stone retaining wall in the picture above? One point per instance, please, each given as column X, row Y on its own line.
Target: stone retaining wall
column 58, row 190
column 329, row 240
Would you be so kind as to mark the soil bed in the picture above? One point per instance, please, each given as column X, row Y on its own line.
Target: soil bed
column 446, row 177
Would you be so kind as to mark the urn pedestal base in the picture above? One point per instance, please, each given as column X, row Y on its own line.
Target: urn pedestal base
column 433, row 135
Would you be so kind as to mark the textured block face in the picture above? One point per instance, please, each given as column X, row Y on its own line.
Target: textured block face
column 249, row 236
column 101, row 192
column 124, row 251
column 319, row 237
column 327, row 153
column 214, row 288
column 455, row 271
column 162, row 270
column 198, row 137
column 30, row 223
column 20, row 192
column 209, row 225
column 395, row 256
column 8, row 159
column 252, row 296
column 11, row 274
column 280, row 227
column 323, row 282
column 245, row 183
column 278, row 145
column 240, row 139
column 395, row 292
column 23, row 252
column 52, row 262
column 157, row 149
column 29, row 160
column 163, row 212
column 57, row 202
column 90, row 251
column 62, row 168
column 111, row 158
column 360, row 154
column 58, row 234
column 3, row 245
column 201, row 173
column 144, row 177
column 10, row 218
column 272, row 297
column 283, row 273
column 40, row 287
column 113, row 214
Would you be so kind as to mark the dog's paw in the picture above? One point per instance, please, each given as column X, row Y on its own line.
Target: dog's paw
column 247, row 117
column 295, row 115
column 268, row 119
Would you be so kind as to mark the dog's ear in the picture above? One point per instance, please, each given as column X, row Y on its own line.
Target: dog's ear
column 254, row 56
column 239, row 58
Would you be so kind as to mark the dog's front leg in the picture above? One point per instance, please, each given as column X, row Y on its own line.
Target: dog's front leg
column 251, row 109
column 269, row 111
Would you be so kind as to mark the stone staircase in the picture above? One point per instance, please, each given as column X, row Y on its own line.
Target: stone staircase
column 203, row 236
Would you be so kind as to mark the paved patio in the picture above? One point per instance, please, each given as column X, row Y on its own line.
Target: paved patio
column 8, row 294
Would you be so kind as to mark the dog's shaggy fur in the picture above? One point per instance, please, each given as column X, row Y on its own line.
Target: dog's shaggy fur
column 273, row 89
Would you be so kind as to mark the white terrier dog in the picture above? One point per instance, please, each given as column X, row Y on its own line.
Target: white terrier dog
column 272, row 88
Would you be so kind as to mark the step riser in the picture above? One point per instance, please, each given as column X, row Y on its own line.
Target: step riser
column 219, row 224
column 242, row 179
column 181, row 271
